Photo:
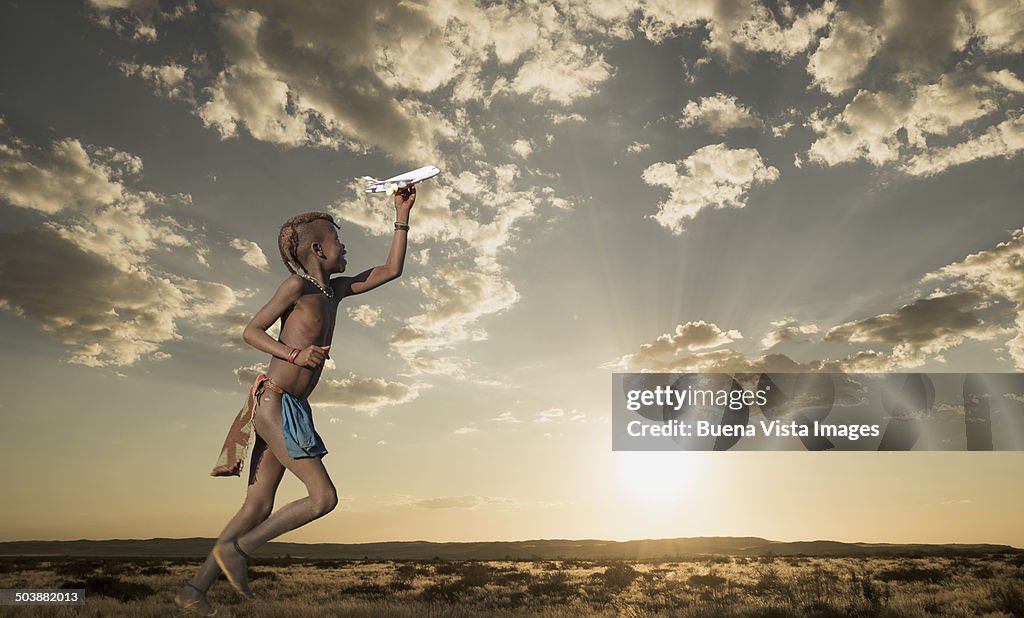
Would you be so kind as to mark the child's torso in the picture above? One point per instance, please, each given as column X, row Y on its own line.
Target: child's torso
column 310, row 322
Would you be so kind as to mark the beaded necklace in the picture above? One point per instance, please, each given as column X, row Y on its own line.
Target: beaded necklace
column 328, row 292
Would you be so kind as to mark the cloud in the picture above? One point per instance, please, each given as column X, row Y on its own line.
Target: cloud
column 452, row 307
column 133, row 19
column 994, row 273
column 737, row 29
column 929, row 100
column 843, row 55
column 251, row 253
column 506, row 417
column 787, row 329
column 916, row 333
column 881, row 127
column 563, row 73
column 713, row 176
column 85, row 185
column 919, row 35
column 365, row 314
column 108, row 317
column 1005, row 139
column 1005, row 78
column 351, row 74
column 727, row 360
column 65, row 177
column 561, row 118
column 361, row 393
column 231, row 324
column 87, row 273
column 559, row 415
column 247, row 375
column 637, row 147
column 522, row 147
column 911, row 41
column 293, row 81
column 459, row 502
column 694, row 335
column 366, row 394
column 706, row 361
column 999, row 25
column 968, row 306
column 922, row 329
column 461, row 431
column 168, row 80
column 719, row 113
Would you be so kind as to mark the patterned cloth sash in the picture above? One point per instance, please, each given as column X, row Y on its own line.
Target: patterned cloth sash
column 236, row 444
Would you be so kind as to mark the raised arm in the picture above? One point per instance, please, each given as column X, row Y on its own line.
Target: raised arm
column 390, row 269
column 255, row 333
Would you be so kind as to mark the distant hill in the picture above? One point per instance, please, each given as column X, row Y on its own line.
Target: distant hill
column 541, row 549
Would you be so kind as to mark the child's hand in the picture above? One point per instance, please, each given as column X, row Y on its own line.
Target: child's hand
column 404, row 199
column 312, row 357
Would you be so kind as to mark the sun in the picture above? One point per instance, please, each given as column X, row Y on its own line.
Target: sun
column 657, row 477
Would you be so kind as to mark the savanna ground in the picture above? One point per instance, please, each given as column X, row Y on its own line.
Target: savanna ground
column 716, row 586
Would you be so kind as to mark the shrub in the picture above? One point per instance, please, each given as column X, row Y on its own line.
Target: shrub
column 77, row 568
column 17, row 565
column 620, row 576
column 329, row 564
column 1009, row 598
column 406, row 572
column 444, row 592
column 708, row 580
column 448, row 568
column 983, row 571
column 399, row 585
column 511, row 578
column 261, row 574
column 556, row 585
column 475, row 575
column 117, row 567
column 113, row 587
column 366, row 590
column 873, row 596
column 913, row 574
column 769, row 581
column 823, row 609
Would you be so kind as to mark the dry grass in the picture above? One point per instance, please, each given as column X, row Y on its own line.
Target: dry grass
column 719, row 586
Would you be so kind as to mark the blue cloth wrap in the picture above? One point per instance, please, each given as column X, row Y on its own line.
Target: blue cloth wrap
column 300, row 436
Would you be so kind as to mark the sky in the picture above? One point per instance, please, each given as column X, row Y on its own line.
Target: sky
column 723, row 185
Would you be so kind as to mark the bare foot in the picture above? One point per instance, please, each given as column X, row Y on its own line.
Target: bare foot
column 231, row 559
column 193, row 600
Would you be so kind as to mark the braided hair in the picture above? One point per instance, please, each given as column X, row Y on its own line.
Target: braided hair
column 288, row 239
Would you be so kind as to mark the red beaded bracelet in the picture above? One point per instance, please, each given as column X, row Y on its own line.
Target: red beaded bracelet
column 291, row 357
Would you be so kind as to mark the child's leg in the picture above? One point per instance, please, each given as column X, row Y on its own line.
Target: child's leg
column 322, row 496
column 321, row 500
column 265, row 474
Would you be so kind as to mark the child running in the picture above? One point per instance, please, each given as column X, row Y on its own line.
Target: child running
column 307, row 305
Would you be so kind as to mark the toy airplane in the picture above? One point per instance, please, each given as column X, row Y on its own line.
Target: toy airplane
column 393, row 184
